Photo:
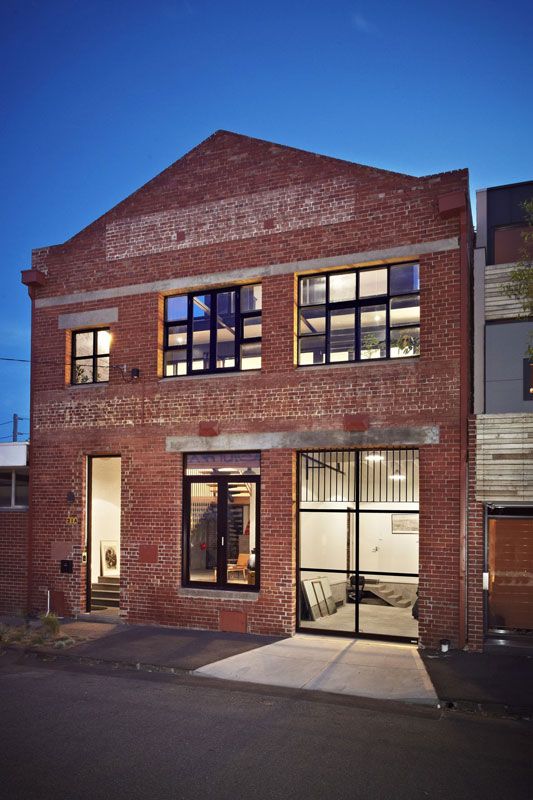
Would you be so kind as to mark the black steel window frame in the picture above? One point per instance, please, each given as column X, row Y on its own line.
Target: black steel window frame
column 359, row 570
column 357, row 305
column 240, row 339
column 222, row 482
column 14, row 473
column 95, row 356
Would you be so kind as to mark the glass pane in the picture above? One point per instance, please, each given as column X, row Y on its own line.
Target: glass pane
column 327, row 542
column 21, row 490
column 342, row 335
column 222, row 463
column 251, row 327
column 176, row 362
column 372, row 282
column 373, row 332
column 225, row 356
column 313, row 290
column 404, row 342
column 102, row 369
column 83, row 371
column 312, row 320
column 103, row 342
column 203, row 536
column 241, row 533
column 404, row 279
column 312, row 350
column 201, row 335
column 177, row 335
column 251, row 297
column 511, row 574
column 5, row 489
column 342, row 287
column 405, row 310
column 251, row 356
column 83, row 344
column 177, row 308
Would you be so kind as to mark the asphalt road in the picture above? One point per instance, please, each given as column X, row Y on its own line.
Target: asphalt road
column 72, row 733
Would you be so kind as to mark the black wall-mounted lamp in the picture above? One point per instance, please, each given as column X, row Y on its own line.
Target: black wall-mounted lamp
column 135, row 373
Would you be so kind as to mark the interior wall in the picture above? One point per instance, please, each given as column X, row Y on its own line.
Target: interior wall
column 105, row 509
column 324, row 543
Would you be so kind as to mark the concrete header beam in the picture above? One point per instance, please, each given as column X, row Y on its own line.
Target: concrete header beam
column 303, row 440
column 248, row 274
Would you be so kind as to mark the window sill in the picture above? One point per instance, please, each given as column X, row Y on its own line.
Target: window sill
column 13, row 508
column 86, row 385
column 204, row 375
column 218, row 594
column 365, row 363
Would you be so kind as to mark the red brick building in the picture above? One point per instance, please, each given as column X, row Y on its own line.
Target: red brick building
column 250, row 399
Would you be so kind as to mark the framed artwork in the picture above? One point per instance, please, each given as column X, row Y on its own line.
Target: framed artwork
column 405, row 523
column 110, row 559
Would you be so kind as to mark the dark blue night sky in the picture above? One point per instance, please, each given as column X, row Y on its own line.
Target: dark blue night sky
column 99, row 96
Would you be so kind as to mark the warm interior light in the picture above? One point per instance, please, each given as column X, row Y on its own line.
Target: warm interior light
column 397, row 476
column 226, row 469
column 104, row 338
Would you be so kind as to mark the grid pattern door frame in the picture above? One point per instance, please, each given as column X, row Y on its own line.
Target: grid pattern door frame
column 355, row 511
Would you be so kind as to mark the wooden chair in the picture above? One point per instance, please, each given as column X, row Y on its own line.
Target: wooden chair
column 240, row 566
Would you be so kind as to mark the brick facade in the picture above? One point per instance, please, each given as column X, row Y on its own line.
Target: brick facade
column 13, row 561
column 238, row 205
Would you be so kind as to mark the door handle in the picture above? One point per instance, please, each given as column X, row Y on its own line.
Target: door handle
column 222, row 541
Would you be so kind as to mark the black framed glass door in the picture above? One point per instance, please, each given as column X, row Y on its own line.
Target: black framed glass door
column 358, row 543
column 221, row 521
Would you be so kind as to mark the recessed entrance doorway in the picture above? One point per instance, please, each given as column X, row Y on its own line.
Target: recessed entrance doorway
column 358, row 543
column 103, row 535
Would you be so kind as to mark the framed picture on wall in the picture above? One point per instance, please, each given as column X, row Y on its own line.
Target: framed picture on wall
column 405, row 523
column 109, row 555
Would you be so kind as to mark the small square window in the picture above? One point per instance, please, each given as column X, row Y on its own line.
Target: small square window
column 90, row 356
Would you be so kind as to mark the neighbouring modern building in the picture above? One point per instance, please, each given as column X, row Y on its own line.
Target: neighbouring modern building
column 250, row 401
column 501, row 514
column 14, row 481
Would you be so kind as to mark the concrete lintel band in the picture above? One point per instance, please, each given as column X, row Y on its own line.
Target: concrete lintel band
column 253, row 273
column 298, row 440
column 87, row 319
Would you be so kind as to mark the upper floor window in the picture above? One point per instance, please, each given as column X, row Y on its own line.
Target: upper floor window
column 13, row 489
column 359, row 314
column 90, row 356
column 215, row 331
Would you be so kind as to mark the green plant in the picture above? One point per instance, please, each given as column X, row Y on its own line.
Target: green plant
column 50, row 624
column 520, row 285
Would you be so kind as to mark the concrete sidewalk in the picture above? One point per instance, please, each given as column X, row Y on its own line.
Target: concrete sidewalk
column 333, row 664
column 493, row 684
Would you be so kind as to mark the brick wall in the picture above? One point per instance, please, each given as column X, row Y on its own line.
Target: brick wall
column 257, row 188
column 13, row 561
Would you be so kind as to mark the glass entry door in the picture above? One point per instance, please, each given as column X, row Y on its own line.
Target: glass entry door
column 358, row 543
column 221, row 521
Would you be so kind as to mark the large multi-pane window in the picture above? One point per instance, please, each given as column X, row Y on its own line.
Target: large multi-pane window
column 359, row 314
column 215, row 331
column 90, row 356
